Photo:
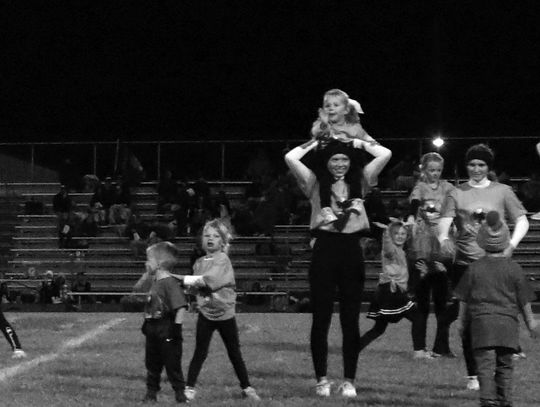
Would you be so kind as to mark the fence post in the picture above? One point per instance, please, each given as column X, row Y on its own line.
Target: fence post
column 32, row 162
column 94, row 159
column 222, row 161
column 158, row 161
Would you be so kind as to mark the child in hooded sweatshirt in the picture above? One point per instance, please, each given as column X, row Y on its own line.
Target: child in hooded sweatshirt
column 492, row 293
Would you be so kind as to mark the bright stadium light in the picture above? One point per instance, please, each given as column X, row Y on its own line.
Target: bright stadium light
column 438, row 142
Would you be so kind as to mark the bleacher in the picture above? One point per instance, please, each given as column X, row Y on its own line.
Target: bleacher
column 273, row 268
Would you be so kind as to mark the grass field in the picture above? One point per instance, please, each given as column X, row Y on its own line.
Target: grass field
column 85, row 359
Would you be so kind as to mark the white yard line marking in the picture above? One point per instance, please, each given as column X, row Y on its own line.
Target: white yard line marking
column 8, row 372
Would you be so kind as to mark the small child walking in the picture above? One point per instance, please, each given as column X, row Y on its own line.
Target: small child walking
column 214, row 283
column 492, row 293
column 391, row 301
column 163, row 318
column 11, row 337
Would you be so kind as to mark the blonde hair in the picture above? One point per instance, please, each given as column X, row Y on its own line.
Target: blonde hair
column 428, row 157
column 352, row 115
column 165, row 253
column 223, row 231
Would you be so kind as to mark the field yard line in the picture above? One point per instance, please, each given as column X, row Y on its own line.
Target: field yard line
column 8, row 372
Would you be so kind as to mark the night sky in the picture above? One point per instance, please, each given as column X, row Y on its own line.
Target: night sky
column 257, row 69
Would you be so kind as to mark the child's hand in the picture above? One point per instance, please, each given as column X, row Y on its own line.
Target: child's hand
column 422, row 267
column 440, row 267
column 323, row 116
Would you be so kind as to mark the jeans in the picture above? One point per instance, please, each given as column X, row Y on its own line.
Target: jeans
column 495, row 389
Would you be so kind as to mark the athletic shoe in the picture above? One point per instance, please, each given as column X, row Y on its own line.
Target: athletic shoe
column 472, row 383
column 346, row 389
column 449, row 355
column 150, row 397
column 519, row 355
column 18, row 354
column 422, row 354
column 535, row 216
column 322, row 388
column 250, row 393
column 190, row 392
column 180, row 397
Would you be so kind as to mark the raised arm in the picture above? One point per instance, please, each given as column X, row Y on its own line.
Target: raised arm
column 381, row 156
column 304, row 176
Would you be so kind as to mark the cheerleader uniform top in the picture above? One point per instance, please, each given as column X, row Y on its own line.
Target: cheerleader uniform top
column 394, row 265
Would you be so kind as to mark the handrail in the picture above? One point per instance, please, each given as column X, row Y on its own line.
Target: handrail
column 221, row 158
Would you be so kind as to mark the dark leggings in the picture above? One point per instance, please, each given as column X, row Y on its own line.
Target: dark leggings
column 337, row 262
column 451, row 315
column 9, row 332
column 435, row 285
column 380, row 327
column 228, row 331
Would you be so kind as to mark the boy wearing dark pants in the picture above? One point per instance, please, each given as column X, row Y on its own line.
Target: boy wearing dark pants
column 162, row 327
column 493, row 292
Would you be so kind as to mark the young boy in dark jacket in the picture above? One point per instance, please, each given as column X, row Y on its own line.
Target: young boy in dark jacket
column 163, row 317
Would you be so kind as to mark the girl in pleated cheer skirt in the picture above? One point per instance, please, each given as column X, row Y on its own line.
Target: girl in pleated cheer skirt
column 391, row 300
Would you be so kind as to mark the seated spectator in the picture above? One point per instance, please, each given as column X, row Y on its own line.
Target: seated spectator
column 62, row 204
column 90, row 223
column 243, row 220
column 120, row 211
column 104, row 197
column 49, row 292
column 182, row 205
column 90, row 183
column 81, row 284
column 405, row 173
column 166, row 189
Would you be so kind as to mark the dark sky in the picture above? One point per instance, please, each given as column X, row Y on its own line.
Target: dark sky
column 258, row 69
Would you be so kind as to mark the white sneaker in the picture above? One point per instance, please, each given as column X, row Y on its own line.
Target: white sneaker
column 422, row 354
column 520, row 355
column 472, row 383
column 18, row 354
column 346, row 389
column 322, row 388
column 190, row 393
column 250, row 393
column 535, row 216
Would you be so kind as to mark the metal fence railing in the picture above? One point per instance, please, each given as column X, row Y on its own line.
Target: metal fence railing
column 229, row 159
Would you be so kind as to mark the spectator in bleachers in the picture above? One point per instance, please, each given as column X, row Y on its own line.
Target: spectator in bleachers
column 81, row 284
column 62, row 204
column 90, row 183
column 90, row 223
column 243, row 220
column 120, row 211
column 139, row 233
column 182, row 204
column 166, row 190
column 49, row 292
column 104, row 197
